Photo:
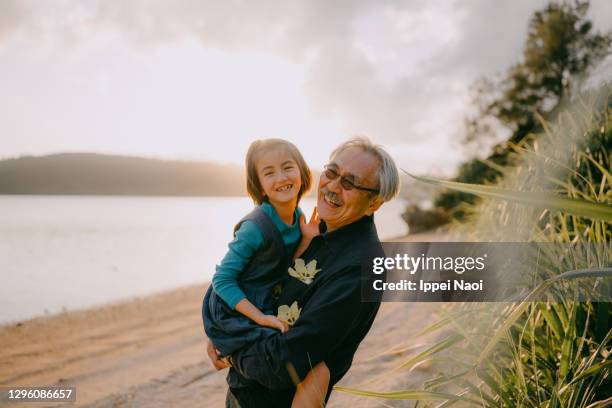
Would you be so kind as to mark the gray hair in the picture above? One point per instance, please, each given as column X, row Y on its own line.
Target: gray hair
column 388, row 176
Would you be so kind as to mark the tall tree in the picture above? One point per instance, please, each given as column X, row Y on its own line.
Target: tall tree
column 560, row 49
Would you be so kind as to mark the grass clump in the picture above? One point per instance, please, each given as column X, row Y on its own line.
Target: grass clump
column 553, row 353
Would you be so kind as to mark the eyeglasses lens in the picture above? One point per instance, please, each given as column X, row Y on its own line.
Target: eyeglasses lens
column 345, row 182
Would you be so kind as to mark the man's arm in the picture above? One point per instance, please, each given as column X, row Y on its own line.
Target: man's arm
column 280, row 360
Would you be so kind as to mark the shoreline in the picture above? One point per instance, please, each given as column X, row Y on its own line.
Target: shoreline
column 150, row 351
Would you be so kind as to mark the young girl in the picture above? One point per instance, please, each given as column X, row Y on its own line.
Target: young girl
column 240, row 307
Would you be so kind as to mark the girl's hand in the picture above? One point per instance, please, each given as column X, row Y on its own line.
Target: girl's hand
column 311, row 229
column 273, row 322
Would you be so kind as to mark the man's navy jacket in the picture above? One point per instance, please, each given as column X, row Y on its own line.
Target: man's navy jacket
column 332, row 322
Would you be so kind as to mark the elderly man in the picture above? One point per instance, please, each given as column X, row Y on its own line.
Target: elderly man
column 333, row 320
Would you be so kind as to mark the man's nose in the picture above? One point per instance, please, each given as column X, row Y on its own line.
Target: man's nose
column 334, row 185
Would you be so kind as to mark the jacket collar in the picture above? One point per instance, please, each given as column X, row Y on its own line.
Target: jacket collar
column 359, row 230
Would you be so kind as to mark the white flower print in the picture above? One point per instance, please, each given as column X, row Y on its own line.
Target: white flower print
column 303, row 272
column 288, row 314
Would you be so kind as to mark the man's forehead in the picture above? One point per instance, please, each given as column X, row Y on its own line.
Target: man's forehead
column 361, row 164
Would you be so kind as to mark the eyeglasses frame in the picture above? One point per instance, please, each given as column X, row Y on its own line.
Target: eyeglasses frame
column 344, row 179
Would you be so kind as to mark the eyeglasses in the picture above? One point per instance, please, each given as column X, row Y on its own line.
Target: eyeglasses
column 347, row 182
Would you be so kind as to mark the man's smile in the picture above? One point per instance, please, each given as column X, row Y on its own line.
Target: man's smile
column 331, row 198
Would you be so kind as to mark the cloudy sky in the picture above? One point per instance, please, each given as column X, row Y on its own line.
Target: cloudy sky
column 202, row 79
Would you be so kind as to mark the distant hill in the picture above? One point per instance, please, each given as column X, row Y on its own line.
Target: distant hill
column 98, row 174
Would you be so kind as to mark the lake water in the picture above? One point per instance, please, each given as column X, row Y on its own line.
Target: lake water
column 64, row 252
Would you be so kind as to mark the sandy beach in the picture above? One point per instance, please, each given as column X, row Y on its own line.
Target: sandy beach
column 150, row 352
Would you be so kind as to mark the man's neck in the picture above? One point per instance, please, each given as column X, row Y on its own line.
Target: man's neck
column 330, row 228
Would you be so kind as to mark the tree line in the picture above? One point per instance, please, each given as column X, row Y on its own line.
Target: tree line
column 98, row 174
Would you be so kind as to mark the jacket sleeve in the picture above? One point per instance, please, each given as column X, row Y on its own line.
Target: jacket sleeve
column 247, row 241
column 280, row 360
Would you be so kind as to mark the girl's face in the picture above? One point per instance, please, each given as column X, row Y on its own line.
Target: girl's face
column 279, row 176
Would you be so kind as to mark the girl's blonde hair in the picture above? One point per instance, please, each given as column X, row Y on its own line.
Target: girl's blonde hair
column 254, row 188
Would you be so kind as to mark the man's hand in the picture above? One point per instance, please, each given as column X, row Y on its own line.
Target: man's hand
column 213, row 355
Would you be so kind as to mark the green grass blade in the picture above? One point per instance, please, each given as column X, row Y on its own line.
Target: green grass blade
column 593, row 370
column 401, row 395
column 536, row 199
column 552, row 319
column 566, row 347
column 436, row 348
column 447, row 320
column 599, row 404
column 584, row 273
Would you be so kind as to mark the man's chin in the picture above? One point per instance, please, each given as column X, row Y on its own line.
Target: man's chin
column 325, row 209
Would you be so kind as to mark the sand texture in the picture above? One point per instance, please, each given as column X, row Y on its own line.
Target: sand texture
column 150, row 352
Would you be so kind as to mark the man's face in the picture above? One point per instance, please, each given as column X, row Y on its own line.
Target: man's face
column 339, row 207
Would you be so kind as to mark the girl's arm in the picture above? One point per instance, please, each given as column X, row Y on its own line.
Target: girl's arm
column 247, row 241
column 249, row 310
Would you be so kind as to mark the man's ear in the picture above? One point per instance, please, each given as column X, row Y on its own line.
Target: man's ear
column 375, row 204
